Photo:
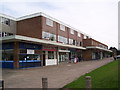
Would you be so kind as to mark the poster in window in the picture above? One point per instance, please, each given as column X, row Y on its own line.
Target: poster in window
column 29, row 51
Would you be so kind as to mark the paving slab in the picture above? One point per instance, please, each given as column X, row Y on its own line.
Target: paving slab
column 58, row 75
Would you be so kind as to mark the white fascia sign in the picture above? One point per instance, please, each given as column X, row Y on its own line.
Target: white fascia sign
column 29, row 51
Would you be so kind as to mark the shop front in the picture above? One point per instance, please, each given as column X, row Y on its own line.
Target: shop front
column 7, row 55
column 96, row 53
column 75, row 53
column 49, row 54
column 63, row 55
column 27, row 55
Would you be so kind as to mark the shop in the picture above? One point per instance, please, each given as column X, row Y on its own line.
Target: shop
column 29, row 55
column 7, row 55
column 49, row 55
column 25, row 57
column 63, row 55
column 95, row 53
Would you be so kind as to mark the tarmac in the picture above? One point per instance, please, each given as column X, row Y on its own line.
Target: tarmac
column 58, row 75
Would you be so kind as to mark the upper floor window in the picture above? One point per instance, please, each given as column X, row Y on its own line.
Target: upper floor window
column 71, row 41
column 49, row 36
column 62, row 39
column 5, row 21
column 3, row 34
column 80, row 43
column 49, row 22
column 85, row 37
column 71, row 31
column 62, row 27
column 79, row 35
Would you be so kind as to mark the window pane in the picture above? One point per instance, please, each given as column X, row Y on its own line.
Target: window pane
column 71, row 31
column 79, row 35
column 50, row 54
column 49, row 22
column 62, row 39
column 62, row 27
column 49, row 36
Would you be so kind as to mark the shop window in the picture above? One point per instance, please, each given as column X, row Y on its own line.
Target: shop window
column 50, row 54
column 7, row 55
column 49, row 22
column 29, row 57
column 23, row 51
column 62, row 27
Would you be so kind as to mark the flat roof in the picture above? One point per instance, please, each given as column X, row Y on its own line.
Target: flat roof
column 7, row 16
column 24, row 38
column 96, row 47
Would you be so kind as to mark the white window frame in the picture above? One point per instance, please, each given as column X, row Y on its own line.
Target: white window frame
column 5, row 34
column 62, row 27
column 85, row 37
column 79, row 34
column 71, row 31
column 49, row 22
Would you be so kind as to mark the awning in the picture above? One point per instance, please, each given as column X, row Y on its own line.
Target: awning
column 49, row 50
column 24, row 38
column 95, row 47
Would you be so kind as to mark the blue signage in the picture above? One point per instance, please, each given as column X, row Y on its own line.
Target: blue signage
column 29, row 46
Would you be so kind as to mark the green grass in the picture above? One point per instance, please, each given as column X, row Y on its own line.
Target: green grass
column 103, row 77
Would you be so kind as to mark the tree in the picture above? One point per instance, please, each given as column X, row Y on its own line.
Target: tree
column 114, row 50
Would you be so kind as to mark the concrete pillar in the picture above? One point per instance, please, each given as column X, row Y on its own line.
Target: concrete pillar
column 46, row 55
column 57, row 57
column 16, row 54
column 41, row 55
column 101, row 55
column 67, row 57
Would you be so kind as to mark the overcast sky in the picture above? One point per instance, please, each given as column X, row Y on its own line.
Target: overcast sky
column 97, row 18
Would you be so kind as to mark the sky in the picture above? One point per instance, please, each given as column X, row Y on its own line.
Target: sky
column 97, row 18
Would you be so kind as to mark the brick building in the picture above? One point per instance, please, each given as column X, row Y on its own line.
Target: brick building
column 40, row 40
column 94, row 49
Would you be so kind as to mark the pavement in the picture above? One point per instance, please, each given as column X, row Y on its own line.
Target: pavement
column 58, row 75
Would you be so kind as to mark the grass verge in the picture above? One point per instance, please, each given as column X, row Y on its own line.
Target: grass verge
column 104, row 77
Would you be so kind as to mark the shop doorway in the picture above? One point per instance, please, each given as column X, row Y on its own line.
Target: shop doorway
column 63, row 57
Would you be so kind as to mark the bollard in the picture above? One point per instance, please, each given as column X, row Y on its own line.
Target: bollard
column 44, row 83
column 88, row 83
column 1, row 84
